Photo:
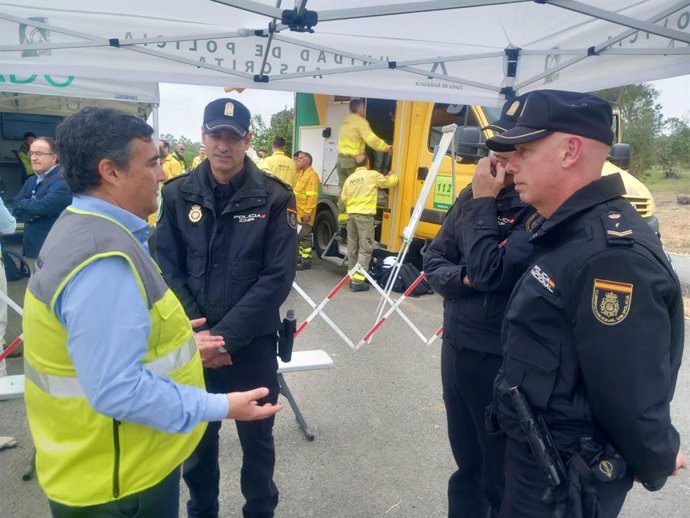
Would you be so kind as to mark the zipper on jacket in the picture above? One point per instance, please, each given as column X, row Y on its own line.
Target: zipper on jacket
column 116, row 467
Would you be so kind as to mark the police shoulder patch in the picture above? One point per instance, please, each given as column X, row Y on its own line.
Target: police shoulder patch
column 292, row 217
column 611, row 301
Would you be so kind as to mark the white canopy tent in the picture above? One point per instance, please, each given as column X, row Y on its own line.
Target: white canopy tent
column 475, row 51
column 64, row 95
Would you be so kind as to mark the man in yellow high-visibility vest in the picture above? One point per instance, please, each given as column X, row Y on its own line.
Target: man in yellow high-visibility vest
column 359, row 196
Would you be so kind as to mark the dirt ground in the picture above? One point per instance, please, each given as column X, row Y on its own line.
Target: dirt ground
column 674, row 220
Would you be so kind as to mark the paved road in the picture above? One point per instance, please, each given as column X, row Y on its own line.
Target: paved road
column 381, row 447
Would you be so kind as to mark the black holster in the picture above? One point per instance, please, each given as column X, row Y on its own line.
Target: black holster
column 591, row 464
column 286, row 336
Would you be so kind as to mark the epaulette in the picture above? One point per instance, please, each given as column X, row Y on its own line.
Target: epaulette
column 274, row 177
column 182, row 175
column 617, row 229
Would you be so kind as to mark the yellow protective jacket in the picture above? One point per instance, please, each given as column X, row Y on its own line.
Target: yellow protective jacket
column 197, row 160
column 306, row 193
column 171, row 167
column 180, row 160
column 360, row 190
column 84, row 457
column 25, row 159
column 355, row 134
column 280, row 165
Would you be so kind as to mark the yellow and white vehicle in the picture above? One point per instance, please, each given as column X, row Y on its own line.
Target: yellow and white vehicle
column 414, row 129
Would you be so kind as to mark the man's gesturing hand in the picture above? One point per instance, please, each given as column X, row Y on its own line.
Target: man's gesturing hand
column 244, row 405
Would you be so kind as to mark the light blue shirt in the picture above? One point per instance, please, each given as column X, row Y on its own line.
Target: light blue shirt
column 108, row 325
column 7, row 222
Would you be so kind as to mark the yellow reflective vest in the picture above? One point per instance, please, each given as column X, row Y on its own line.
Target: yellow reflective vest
column 280, row 165
column 355, row 134
column 359, row 192
column 83, row 457
column 306, row 193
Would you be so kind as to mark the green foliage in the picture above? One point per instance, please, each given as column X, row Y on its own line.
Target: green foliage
column 656, row 180
column 642, row 122
column 282, row 125
column 674, row 148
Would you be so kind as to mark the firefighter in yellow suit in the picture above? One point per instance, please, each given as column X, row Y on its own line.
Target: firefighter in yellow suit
column 306, row 193
column 279, row 164
column 359, row 197
column 354, row 136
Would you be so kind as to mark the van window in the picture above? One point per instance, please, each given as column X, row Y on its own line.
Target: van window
column 469, row 137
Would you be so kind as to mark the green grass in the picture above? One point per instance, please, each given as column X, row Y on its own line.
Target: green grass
column 656, row 182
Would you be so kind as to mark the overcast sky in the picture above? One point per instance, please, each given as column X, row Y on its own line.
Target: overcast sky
column 182, row 106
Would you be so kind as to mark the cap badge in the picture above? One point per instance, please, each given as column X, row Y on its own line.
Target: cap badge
column 229, row 110
column 195, row 214
column 513, row 108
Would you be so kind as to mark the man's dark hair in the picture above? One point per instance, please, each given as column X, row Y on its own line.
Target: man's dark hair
column 29, row 134
column 355, row 104
column 165, row 143
column 307, row 155
column 278, row 142
column 92, row 134
column 51, row 143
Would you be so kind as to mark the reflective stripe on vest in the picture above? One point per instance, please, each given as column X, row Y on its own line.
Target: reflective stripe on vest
column 63, row 386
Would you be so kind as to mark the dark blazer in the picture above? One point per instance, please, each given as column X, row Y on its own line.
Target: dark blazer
column 39, row 206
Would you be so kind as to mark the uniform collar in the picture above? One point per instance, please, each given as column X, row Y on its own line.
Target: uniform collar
column 198, row 182
column 599, row 191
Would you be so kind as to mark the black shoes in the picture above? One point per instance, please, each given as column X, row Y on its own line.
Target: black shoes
column 301, row 265
column 358, row 286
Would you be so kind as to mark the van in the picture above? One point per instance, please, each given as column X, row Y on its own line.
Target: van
column 414, row 128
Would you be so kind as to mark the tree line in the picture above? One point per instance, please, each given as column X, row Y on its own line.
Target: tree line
column 654, row 140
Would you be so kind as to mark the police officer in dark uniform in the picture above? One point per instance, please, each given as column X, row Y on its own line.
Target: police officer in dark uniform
column 226, row 240
column 593, row 333
column 475, row 260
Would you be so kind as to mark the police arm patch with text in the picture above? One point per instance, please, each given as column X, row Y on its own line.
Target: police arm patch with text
column 611, row 301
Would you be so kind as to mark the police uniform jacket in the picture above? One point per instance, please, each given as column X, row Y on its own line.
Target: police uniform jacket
column 593, row 333
column 487, row 240
column 234, row 268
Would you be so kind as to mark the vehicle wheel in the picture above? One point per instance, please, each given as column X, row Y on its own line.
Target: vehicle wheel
column 325, row 226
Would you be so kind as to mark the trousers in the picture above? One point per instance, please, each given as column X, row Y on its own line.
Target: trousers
column 255, row 365
column 525, row 487
column 346, row 166
column 161, row 501
column 476, row 488
column 360, row 242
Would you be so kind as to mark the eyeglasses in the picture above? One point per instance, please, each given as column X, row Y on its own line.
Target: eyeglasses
column 39, row 154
